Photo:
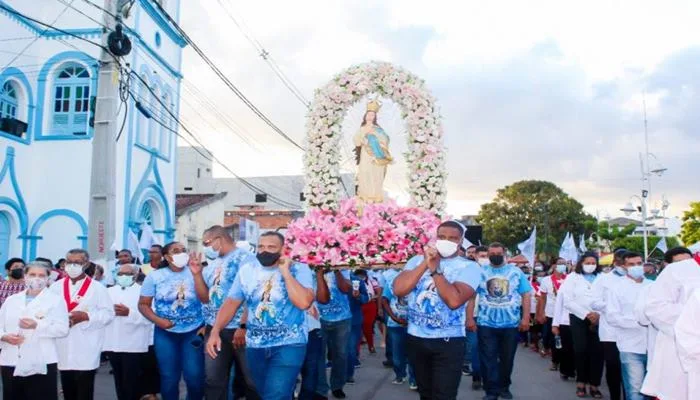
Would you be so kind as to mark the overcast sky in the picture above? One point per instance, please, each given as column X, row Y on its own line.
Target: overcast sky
column 528, row 90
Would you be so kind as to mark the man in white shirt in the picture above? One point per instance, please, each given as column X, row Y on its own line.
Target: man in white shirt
column 631, row 336
column 602, row 290
column 127, row 337
column 89, row 310
column 688, row 341
column 666, row 378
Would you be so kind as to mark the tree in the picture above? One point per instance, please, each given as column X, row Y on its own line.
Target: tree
column 636, row 244
column 608, row 234
column 690, row 232
column 518, row 207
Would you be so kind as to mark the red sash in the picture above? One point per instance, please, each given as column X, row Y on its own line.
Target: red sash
column 81, row 292
column 556, row 283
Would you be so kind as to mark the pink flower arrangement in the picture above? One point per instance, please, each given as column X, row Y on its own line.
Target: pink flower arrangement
column 385, row 234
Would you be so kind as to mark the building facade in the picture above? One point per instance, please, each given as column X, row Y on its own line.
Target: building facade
column 48, row 82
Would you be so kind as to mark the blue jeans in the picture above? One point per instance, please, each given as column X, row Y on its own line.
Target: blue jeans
column 471, row 355
column 336, row 336
column 178, row 355
column 310, row 369
column 399, row 335
column 275, row 369
column 634, row 369
column 497, row 348
column 353, row 355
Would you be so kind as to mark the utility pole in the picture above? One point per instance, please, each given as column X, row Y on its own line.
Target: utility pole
column 102, row 226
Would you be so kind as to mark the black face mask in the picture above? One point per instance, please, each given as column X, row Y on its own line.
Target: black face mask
column 17, row 273
column 268, row 259
column 496, row 260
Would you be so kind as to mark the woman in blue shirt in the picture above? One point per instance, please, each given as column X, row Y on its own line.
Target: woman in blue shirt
column 168, row 299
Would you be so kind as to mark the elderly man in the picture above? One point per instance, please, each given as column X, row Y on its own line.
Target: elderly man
column 127, row 337
column 90, row 309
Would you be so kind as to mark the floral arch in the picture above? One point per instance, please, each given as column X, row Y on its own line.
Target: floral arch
column 425, row 156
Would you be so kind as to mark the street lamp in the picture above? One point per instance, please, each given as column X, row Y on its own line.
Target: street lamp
column 629, row 209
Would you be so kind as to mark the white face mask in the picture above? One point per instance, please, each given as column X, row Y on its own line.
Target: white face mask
column 446, row 248
column 589, row 268
column 483, row 262
column 74, row 270
column 36, row 283
column 181, row 260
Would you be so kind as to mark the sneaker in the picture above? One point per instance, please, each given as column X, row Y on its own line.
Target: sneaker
column 399, row 381
column 466, row 370
column 388, row 364
column 506, row 394
column 350, row 381
column 476, row 384
column 339, row 394
column 413, row 386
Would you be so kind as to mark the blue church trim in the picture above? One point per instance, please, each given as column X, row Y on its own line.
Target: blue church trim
column 12, row 73
column 85, row 33
column 67, row 56
column 34, row 238
column 163, row 23
column 17, row 204
column 150, row 188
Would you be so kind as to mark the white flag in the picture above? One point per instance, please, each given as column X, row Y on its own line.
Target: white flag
column 662, row 245
column 147, row 238
column 527, row 248
column 582, row 244
column 132, row 244
column 568, row 250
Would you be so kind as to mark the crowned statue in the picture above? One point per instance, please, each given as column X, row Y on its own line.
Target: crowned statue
column 372, row 156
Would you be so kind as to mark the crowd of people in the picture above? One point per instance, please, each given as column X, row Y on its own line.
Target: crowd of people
column 236, row 323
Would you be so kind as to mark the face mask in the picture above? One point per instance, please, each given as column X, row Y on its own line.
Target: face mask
column 561, row 268
column 268, row 259
column 446, row 248
column 36, row 283
column 210, row 253
column 539, row 268
column 496, row 260
column 17, row 273
column 635, row 272
column 125, row 280
column 484, row 262
column 589, row 268
column 620, row 271
column 180, row 260
column 74, row 270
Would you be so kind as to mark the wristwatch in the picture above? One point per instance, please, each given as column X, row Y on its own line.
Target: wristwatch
column 436, row 272
column 243, row 326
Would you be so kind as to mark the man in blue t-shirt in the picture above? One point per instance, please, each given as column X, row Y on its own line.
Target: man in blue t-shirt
column 396, row 311
column 212, row 285
column 276, row 292
column 436, row 287
column 504, row 307
column 358, row 286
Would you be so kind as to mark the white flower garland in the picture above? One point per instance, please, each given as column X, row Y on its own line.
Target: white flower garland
column 425, row 156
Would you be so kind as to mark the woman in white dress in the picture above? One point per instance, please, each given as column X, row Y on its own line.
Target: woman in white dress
column 30, row 322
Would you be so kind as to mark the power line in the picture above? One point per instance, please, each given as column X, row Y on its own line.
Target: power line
column 225, row 79
column 103, row 9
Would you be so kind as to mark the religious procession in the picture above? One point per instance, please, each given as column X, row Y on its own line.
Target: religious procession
column 174, row 225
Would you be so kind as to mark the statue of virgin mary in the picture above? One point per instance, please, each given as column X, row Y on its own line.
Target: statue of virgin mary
column 372, row 156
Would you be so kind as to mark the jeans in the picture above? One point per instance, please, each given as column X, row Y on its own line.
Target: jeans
column 218, row 370
column 353, row 353
column 399, row 335
column 180, row 354
column 588, row 351
column 475, row 359
column 335, row 338
column 438, row 364
column 634, row 369
column 275, row 369
column 387, row 343
column 613, row 370
column 126, row 370
column 497, row 348
column 310, row 369
column 33, row 387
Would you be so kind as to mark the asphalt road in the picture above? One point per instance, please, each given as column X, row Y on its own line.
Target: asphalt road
column 531, row 380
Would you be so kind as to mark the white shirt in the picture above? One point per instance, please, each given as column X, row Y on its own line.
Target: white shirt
column 666, row 378
column 561, row 313
column 80, row 350
column 644, row 321
column 130, row 334
column 579, row 297
column 603, row 287
column 547, row 289
column 688, row 341
column 631, row 335
column 48, row 310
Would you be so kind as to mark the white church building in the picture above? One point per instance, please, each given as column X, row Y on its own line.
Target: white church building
column 48, row 81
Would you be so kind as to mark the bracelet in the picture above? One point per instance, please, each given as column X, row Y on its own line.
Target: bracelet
column 436, row 272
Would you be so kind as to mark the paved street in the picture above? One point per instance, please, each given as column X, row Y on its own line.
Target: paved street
column 531, row 380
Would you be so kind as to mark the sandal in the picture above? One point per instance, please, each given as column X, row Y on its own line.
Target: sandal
column 596, row 394
column 580, row 391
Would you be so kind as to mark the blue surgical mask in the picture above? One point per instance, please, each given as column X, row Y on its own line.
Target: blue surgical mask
column 635, row 272
column 620, row 271
column 210, row 253
column 561, row 268
column 125, row 280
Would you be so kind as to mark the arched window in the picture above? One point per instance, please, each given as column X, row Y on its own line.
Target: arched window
column 71, row 101
column 8, row 100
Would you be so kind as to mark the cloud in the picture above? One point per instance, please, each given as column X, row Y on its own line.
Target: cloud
column 538, row 92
